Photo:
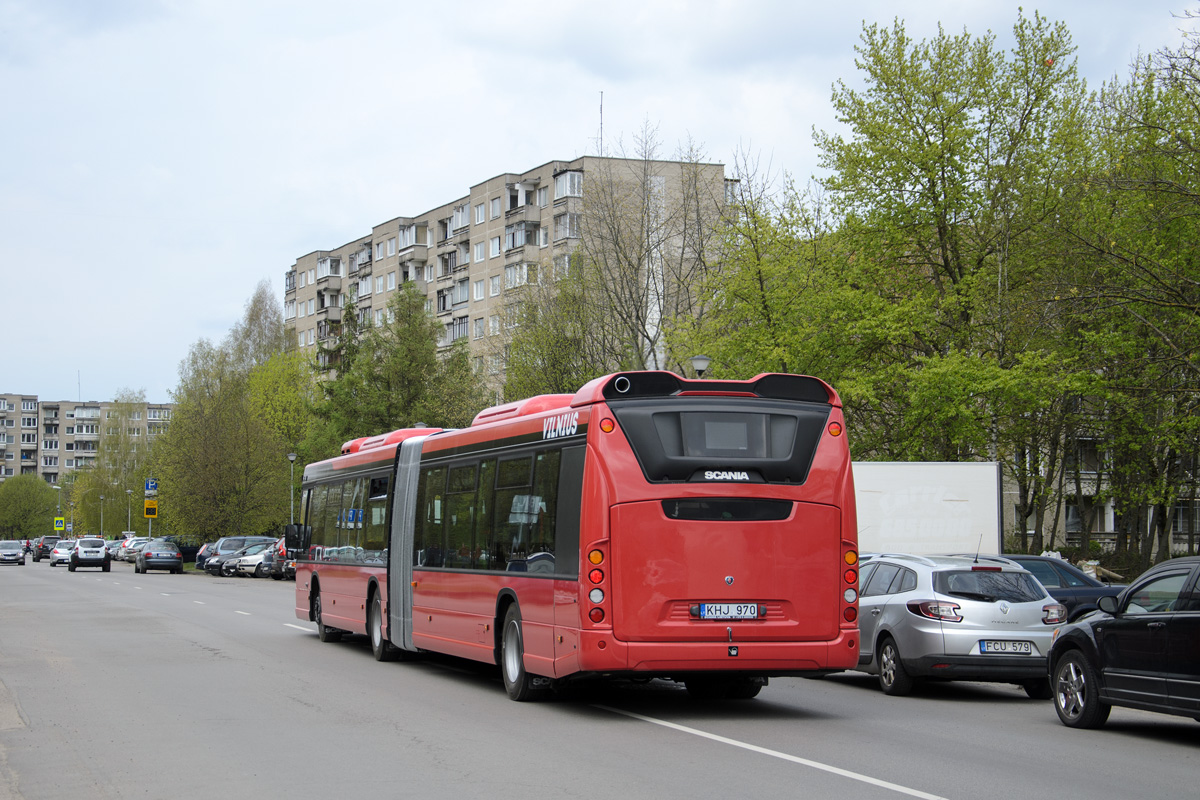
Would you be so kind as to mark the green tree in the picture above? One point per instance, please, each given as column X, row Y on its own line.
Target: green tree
column 27, row 507
column 391, row 376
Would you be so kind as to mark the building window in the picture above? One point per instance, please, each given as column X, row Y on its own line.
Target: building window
column 494, row 250
column 28, row 422
column 378, row 284
column 461, row 217
column 479, row 289
column 568, row 184
column 443, row 300
column 392, row 246
column 391, row 278
column 379, row 251
column 543, row 196
column 480, row 251
column 497, row 207
column 480, row 214
column 29, row 405
column 544, row 236
column 519, row 274
column 566, row 226
column 479, row 328
column 310, row 335
column 461, row 294
column 49, row 444
column 494, row 283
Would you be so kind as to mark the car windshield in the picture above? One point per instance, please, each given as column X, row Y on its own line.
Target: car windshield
column 162, row 547
column 11, row 546
column 91, row 543
column 989, row 586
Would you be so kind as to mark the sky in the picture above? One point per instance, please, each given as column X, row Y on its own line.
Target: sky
column 161, row 158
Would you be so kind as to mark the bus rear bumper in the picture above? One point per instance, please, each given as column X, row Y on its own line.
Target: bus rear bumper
column 601, row 652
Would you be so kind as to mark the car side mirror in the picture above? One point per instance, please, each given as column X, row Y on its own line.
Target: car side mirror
column 1108, row 604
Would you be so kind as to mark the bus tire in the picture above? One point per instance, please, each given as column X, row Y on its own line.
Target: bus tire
column 381, row 648
column 517, row 682
column 324, row 633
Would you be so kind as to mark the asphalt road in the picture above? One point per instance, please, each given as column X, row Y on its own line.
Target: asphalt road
column 185, row 686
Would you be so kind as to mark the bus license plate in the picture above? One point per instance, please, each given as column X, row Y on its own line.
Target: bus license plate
column 729, row 611
column 988, row 646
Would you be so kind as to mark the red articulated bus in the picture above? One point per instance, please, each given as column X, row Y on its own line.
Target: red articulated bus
column 702, row 531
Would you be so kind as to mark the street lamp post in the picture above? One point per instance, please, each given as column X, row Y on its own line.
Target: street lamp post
column 101, row 516
column 129, row 509
column 291, row 457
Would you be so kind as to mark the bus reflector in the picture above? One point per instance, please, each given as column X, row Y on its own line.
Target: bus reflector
column 607, row 425
column 851, row 576
column 596, row 596
column 835, row 429
column 850, row 614
column 597, row 615
column 596, row 576
column 851, row 557
column 596, row 557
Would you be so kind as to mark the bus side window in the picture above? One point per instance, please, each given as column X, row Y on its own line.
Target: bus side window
column 316, row 519
column 485, row 538
column 544, row 505
column 375, row 524
column 332, row 521
column 353, row 501
column 514, row 514
column 429, row 537
column 460, row 509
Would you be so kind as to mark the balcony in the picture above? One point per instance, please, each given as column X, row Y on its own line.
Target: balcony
column 528, row 213
column 330, row 283
column 329, row 314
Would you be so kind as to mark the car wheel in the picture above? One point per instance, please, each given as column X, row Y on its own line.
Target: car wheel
column 1076, row 697
column 261, row 571
column 517, row 682
column 381, row 648
column 1038, row 689
column 106, row 567
column 324, row 633
column 893, row 677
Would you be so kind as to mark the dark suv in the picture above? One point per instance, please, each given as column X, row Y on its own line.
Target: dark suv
column 1067, row 583
column 1141, row 650
column 43, row 545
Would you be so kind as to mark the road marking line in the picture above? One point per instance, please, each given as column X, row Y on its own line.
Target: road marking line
column 776, row 754
column 164, row 594
column 198, row 602
column 297, row 627
column 243, row 613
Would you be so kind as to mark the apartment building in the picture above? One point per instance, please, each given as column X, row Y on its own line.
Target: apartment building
column 53, row 438
column 471, row 255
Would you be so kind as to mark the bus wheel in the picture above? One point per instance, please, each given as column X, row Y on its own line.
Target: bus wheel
column 517, row 682
column 323, row 633
column 381, row 648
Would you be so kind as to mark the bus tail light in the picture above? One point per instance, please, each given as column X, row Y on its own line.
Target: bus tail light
column 596, row 576
column 850, row 614
column 596, row 614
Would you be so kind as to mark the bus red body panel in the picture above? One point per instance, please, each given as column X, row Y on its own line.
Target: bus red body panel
column 714, row 530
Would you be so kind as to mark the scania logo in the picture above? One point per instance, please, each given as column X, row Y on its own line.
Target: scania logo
column 729, row 580
column 721, row 475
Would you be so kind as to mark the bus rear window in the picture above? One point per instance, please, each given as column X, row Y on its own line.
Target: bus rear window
column 700, row 439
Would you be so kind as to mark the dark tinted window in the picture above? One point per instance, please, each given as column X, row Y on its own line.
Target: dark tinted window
column 880, row 580
column 989, row 586
column 1157, row 595
column 682, row 439
column 1044, row 573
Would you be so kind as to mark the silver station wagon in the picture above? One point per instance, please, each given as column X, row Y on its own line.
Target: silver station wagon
column 955, row 618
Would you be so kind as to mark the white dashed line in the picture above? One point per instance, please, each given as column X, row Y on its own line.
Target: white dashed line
column 243, row 613
column 198, row 602
column 845, row 773
column 297, row 627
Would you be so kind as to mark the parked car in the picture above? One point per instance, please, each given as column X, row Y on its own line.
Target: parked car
column 127, row 551
column 61, row 554
column 1141, row 650
column 187, row 548
column 1067, row 583
column 255, row 561
column 43, row 545
column 113, row 546
column 159, row 554
column 202, row 554
column 89, row 552
column 12, row 553
column 227, row 546
column 954, row 618
column 283, row 564
column 229, row 565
